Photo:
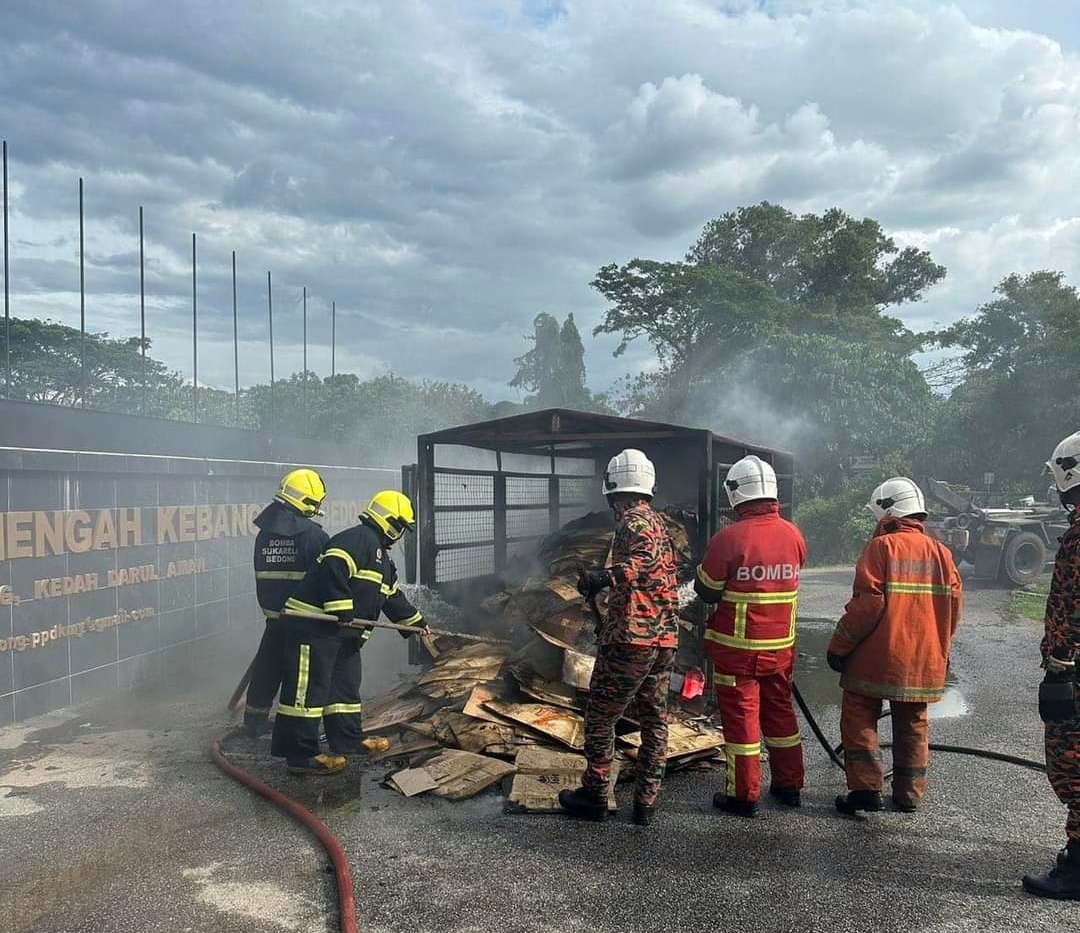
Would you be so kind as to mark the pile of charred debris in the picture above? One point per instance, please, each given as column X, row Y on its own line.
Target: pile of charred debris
column 511, row 709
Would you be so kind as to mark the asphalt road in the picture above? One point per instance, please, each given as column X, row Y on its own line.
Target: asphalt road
column 113, row 819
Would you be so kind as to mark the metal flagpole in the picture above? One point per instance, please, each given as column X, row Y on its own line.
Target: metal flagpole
column 270, row 312
column 194, row 333
column 235, row 339
column 82, row 300
column 7, row 274
column 304, row 394
column 142, row 306
column 333, row 338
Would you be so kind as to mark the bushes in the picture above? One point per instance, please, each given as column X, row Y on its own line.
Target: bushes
column 836, row 527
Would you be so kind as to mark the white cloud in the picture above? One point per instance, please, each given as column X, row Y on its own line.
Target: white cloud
column 445, row 170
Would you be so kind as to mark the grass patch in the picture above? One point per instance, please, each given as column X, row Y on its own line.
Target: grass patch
column 1029, row 603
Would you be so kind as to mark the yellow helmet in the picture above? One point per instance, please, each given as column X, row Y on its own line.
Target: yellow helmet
column 392, row 512
column 304, row 490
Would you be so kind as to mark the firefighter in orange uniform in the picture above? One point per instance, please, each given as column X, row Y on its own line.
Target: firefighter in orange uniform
column 893, row 643
column 751, row 572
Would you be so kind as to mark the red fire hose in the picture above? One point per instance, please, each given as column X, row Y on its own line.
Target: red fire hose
column 346, row 904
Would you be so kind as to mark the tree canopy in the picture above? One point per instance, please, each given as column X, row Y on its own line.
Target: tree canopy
column 553, row 370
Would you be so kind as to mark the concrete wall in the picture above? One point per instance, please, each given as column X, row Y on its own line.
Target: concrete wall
column 110, row 560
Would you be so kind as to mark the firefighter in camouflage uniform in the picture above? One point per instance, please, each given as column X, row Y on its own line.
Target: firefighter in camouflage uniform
column 1057, row 696
column 637, row 643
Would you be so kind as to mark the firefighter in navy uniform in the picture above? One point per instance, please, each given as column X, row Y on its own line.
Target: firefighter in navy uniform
column 353, row 578
column 287, row 544
column 1058, row 706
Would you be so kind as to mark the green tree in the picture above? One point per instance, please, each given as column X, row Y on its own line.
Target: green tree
column 47, row 366
column 554, row 369
column 1016, row 400
column 754, row 273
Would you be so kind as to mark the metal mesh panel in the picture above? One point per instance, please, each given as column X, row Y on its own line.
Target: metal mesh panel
column 522, row 522
column 464, row 489
column 526, row 490
column 462, row 563
column 576, row 490
column 462, row 527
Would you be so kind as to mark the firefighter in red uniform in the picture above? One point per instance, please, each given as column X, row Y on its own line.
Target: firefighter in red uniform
column 751, row 572
column 893, row 643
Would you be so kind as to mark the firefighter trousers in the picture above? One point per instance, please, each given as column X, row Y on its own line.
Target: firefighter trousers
column 265, row 674
column 756, row 708
column 859, row 717
column 626, row 674
column 1063, row 769
column 320, row 680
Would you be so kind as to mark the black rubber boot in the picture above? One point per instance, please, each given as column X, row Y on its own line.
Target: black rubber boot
column 735, row 805
column 1062, row 882
column 788, row 796
column 904, row 804
column 869, row 800
column 319, row 764
column 585, row 802
column 643, row 813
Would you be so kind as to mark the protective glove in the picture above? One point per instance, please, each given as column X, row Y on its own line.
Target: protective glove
column 836, row 662
column 420, row 626
column 344, row 618
column 591, row 582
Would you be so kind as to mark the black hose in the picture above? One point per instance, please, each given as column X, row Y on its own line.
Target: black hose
column 835, row 754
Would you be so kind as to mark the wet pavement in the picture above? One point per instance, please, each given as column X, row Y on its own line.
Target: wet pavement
column 113, row 819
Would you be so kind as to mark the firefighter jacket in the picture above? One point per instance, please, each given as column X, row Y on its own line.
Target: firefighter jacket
column 643, row 605
column 355, row 578
column 286, row 545
column 751, row 572
column 1062, row 620
column 897, row 629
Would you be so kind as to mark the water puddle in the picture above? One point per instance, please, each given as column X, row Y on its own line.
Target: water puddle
column 820, row 686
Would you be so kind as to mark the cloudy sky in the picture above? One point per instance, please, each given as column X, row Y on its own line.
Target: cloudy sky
column 446, row 169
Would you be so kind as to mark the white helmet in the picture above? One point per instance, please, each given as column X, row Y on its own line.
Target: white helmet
column 751, row 478
column 630, row 471
column 897, row 497
column 1064, row 461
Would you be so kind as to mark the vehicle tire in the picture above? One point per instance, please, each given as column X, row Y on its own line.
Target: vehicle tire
column 1025, row 557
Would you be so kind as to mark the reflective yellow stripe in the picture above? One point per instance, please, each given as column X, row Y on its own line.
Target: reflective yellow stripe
column 303, row 675
column 733, row 751
column 345, row 556
column 785, row 741
column 271, row 614
column 293, row 603
column 336, row 605
column 412, row 620
column 340, row 709
column 752, row 644
column 300, row 712
column 388, row 591
column 731, row 596
column 918, row 589
column 724, row 680
column 279, row 574
column 372, row 576
column 709, row 581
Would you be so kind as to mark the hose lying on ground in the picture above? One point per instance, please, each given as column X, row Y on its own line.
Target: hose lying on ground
column 835, row 753
column 342, row 875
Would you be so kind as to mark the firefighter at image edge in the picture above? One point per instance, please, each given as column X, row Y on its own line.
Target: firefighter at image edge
column 893, row 643
column 1058, row 706
column 750, row 572
column 353, row 578
column 636, row 643
column 287, row 544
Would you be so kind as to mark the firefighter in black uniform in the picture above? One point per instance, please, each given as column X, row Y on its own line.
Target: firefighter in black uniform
column 354, row 578
column 287, row 544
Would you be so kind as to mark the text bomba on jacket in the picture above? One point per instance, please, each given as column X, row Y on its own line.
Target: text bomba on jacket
column 758, row 573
